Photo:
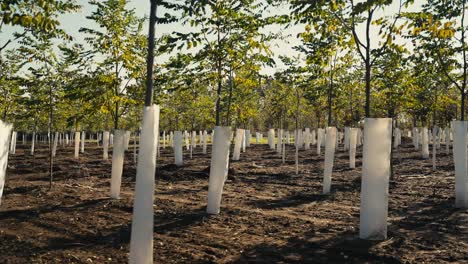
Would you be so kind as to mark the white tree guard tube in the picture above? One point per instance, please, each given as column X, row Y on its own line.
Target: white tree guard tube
column 434, row 146
column 205, row 140
column 194, row 139
column 33, row 141
column 24, row 139
column 118, row 152
column 127, row 140
column 307, row 138
column 5, row 130
column 415, row 138
column 257, row 138
column 83, row 138
column 141, row 241
column 346, row 138
column 375, row 177
column 13, row 142
column 244, row 139
column 111, row 139
column 447, row 139
column 425, row 143
column 329, row 157
column 353, row 132
column 67, row 142
column 77, row 144
column 319, row 140
column 187, row 140
column 105, row 145
column 271, row 138
column 313, row 140
column 54, row 147
column 218, row 169
column 460, row 159
column 178, row 155
column 247, row 138
column 238, row 144
column 279, row 143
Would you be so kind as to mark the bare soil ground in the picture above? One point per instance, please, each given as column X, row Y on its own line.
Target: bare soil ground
column 268, row 215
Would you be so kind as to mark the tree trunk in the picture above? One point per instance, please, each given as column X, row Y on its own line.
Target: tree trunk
column 150, row 58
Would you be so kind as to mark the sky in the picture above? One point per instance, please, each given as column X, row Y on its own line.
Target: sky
column 71, row 23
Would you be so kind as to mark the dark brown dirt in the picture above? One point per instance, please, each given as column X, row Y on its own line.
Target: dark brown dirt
column 268, row 215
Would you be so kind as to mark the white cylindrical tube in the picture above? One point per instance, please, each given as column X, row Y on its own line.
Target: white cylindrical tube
column 67, row 139
column 127, row 140
column 313, row 140
column 247, row 138
column 415, row 138
column 33, row 141
column 178, row 155
column 279, row 143
column 141, row 241
column 135, row 147
column 218, row 169
column 460, row 159
column 352, row 147
column 271, row 138
column 54, row 147
column 319, row 140
column 243, row 142
column 346, row 138
column 434, row 146
column 5, row 131
column 118, row 152
column 83, row 138
column 105, row 145
column 77, row 144
column 13, row 142
column 238, row 144
column 307, row 138
column 425, row 143
column 447, row 139
column 257, row 138
column 375, row 178
column 329, row 157
column 205, row 140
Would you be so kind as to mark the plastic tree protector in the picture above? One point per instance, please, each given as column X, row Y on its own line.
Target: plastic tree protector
column 83, row 138
column 244, row 139
column 219, row 168
column 247, row 138
column 141, row 242
column 187, row 140
column 271, row 138
column 118, row 152
column 352, row 147
column 375, row 177
column 313, row 140
column 5, row 130
column 434, row 146
column 13, row 142
column 329, row 157
column 307, row 138
column 238, row 144
column 415, row 138
column 279, row 144
column 54, row 147
column 205, row 139
column 460, row 159
column 105, row 145
column 319, row 140
column 77, row 144
column 425, row 143
column 346, row 138
column 447, row 140
column 33, row 141
column 179, row 160
column 111, row 139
